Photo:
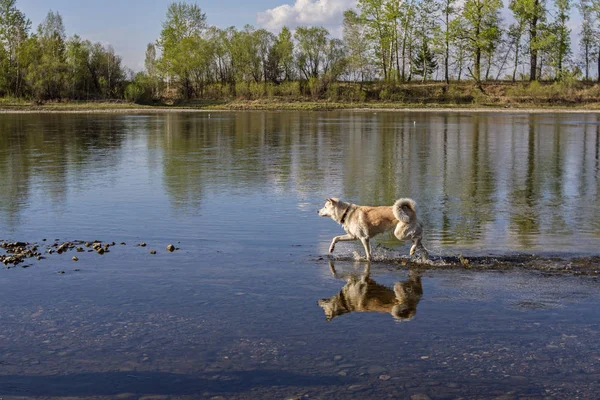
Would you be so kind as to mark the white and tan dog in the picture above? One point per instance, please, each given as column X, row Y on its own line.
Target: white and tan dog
column 364, row 222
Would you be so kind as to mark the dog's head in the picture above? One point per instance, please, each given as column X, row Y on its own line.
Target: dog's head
column 408, row 294
column 404, row 312
column 332, row 307
column 331, row 208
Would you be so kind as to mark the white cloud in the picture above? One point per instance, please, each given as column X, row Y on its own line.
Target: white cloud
column 326, row 13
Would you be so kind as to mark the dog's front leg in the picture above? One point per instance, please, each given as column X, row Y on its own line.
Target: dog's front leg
column 367, row 246
column 340, row 238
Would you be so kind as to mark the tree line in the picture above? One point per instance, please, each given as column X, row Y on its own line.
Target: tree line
column 387, row 41
column 44, row 64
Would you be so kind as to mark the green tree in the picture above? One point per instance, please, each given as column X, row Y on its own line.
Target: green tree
column 379, row 20
column 14, row 29
column 357, row 46
column 426, row 29
column 335, row 62
column 406, row 17
column 595, row 7
column 481, row 29
column 311, row 51
column 285, row 52
column 152, row 75
column 562, row 47
column 587, row 34
column 424, row 63
column 449, row 9
column 77, row 59
column 184, row 25
column 219, row 40
column 246, row 55
column 265, row 41
column 530, row 13
column 48, row 71
column 106, row 72
column 515, row 34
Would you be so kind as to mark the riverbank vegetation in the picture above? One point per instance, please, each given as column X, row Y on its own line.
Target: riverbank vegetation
column 419, row 52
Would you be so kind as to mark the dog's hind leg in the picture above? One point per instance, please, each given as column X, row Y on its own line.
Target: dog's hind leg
column 367, row 246
column 338, row 239
column 418, row 245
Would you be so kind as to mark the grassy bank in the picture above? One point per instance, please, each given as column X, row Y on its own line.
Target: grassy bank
column 569, row 96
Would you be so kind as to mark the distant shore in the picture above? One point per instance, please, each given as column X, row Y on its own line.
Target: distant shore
column 266, row 105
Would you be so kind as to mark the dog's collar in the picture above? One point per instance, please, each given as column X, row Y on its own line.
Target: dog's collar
column 345, row 215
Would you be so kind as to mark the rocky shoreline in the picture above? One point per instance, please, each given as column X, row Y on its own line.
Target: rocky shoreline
column 572, row 265
column 23, row 254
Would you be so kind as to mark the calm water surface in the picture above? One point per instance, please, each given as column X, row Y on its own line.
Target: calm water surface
column 241, row 309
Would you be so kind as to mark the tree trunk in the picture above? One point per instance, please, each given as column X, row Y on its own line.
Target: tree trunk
column 403, row 75
column 514, row 75
column 409, row 61
column 396, row 48
column 587, row 61
column 447, row 55
column 533, row 53
column 598, row 65
column 477, row 65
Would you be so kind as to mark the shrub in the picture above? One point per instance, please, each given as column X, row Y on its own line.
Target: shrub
column 139, row 90
column 333, row 92
column 391, row 92
column 289, row 89
column 242, row 90
column 315, row 87
column 270, row 90
column 257, row 90
column 350, row 93
column 478, row 97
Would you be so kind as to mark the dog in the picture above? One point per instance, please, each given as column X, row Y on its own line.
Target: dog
column 364, row 222
column 363, row 294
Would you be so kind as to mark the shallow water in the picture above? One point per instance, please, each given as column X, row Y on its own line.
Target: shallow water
column 234, row 312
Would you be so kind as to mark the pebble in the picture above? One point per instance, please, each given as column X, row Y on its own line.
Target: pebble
column 376, row 369
column 75, row 258
column 384, row 377
column 171, row 248
column 420, row 396
column 356, row 388
column 153, row 252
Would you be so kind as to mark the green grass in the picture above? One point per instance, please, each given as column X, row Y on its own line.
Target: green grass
column 459, row 95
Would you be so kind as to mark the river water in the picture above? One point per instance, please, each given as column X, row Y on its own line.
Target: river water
column 250, row 305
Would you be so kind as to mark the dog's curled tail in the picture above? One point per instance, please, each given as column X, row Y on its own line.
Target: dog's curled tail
column 405, row 210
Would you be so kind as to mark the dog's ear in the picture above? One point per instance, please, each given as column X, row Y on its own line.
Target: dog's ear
column 329, row 200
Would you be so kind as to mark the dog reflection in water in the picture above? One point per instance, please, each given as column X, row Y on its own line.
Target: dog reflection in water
column 363, row 294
